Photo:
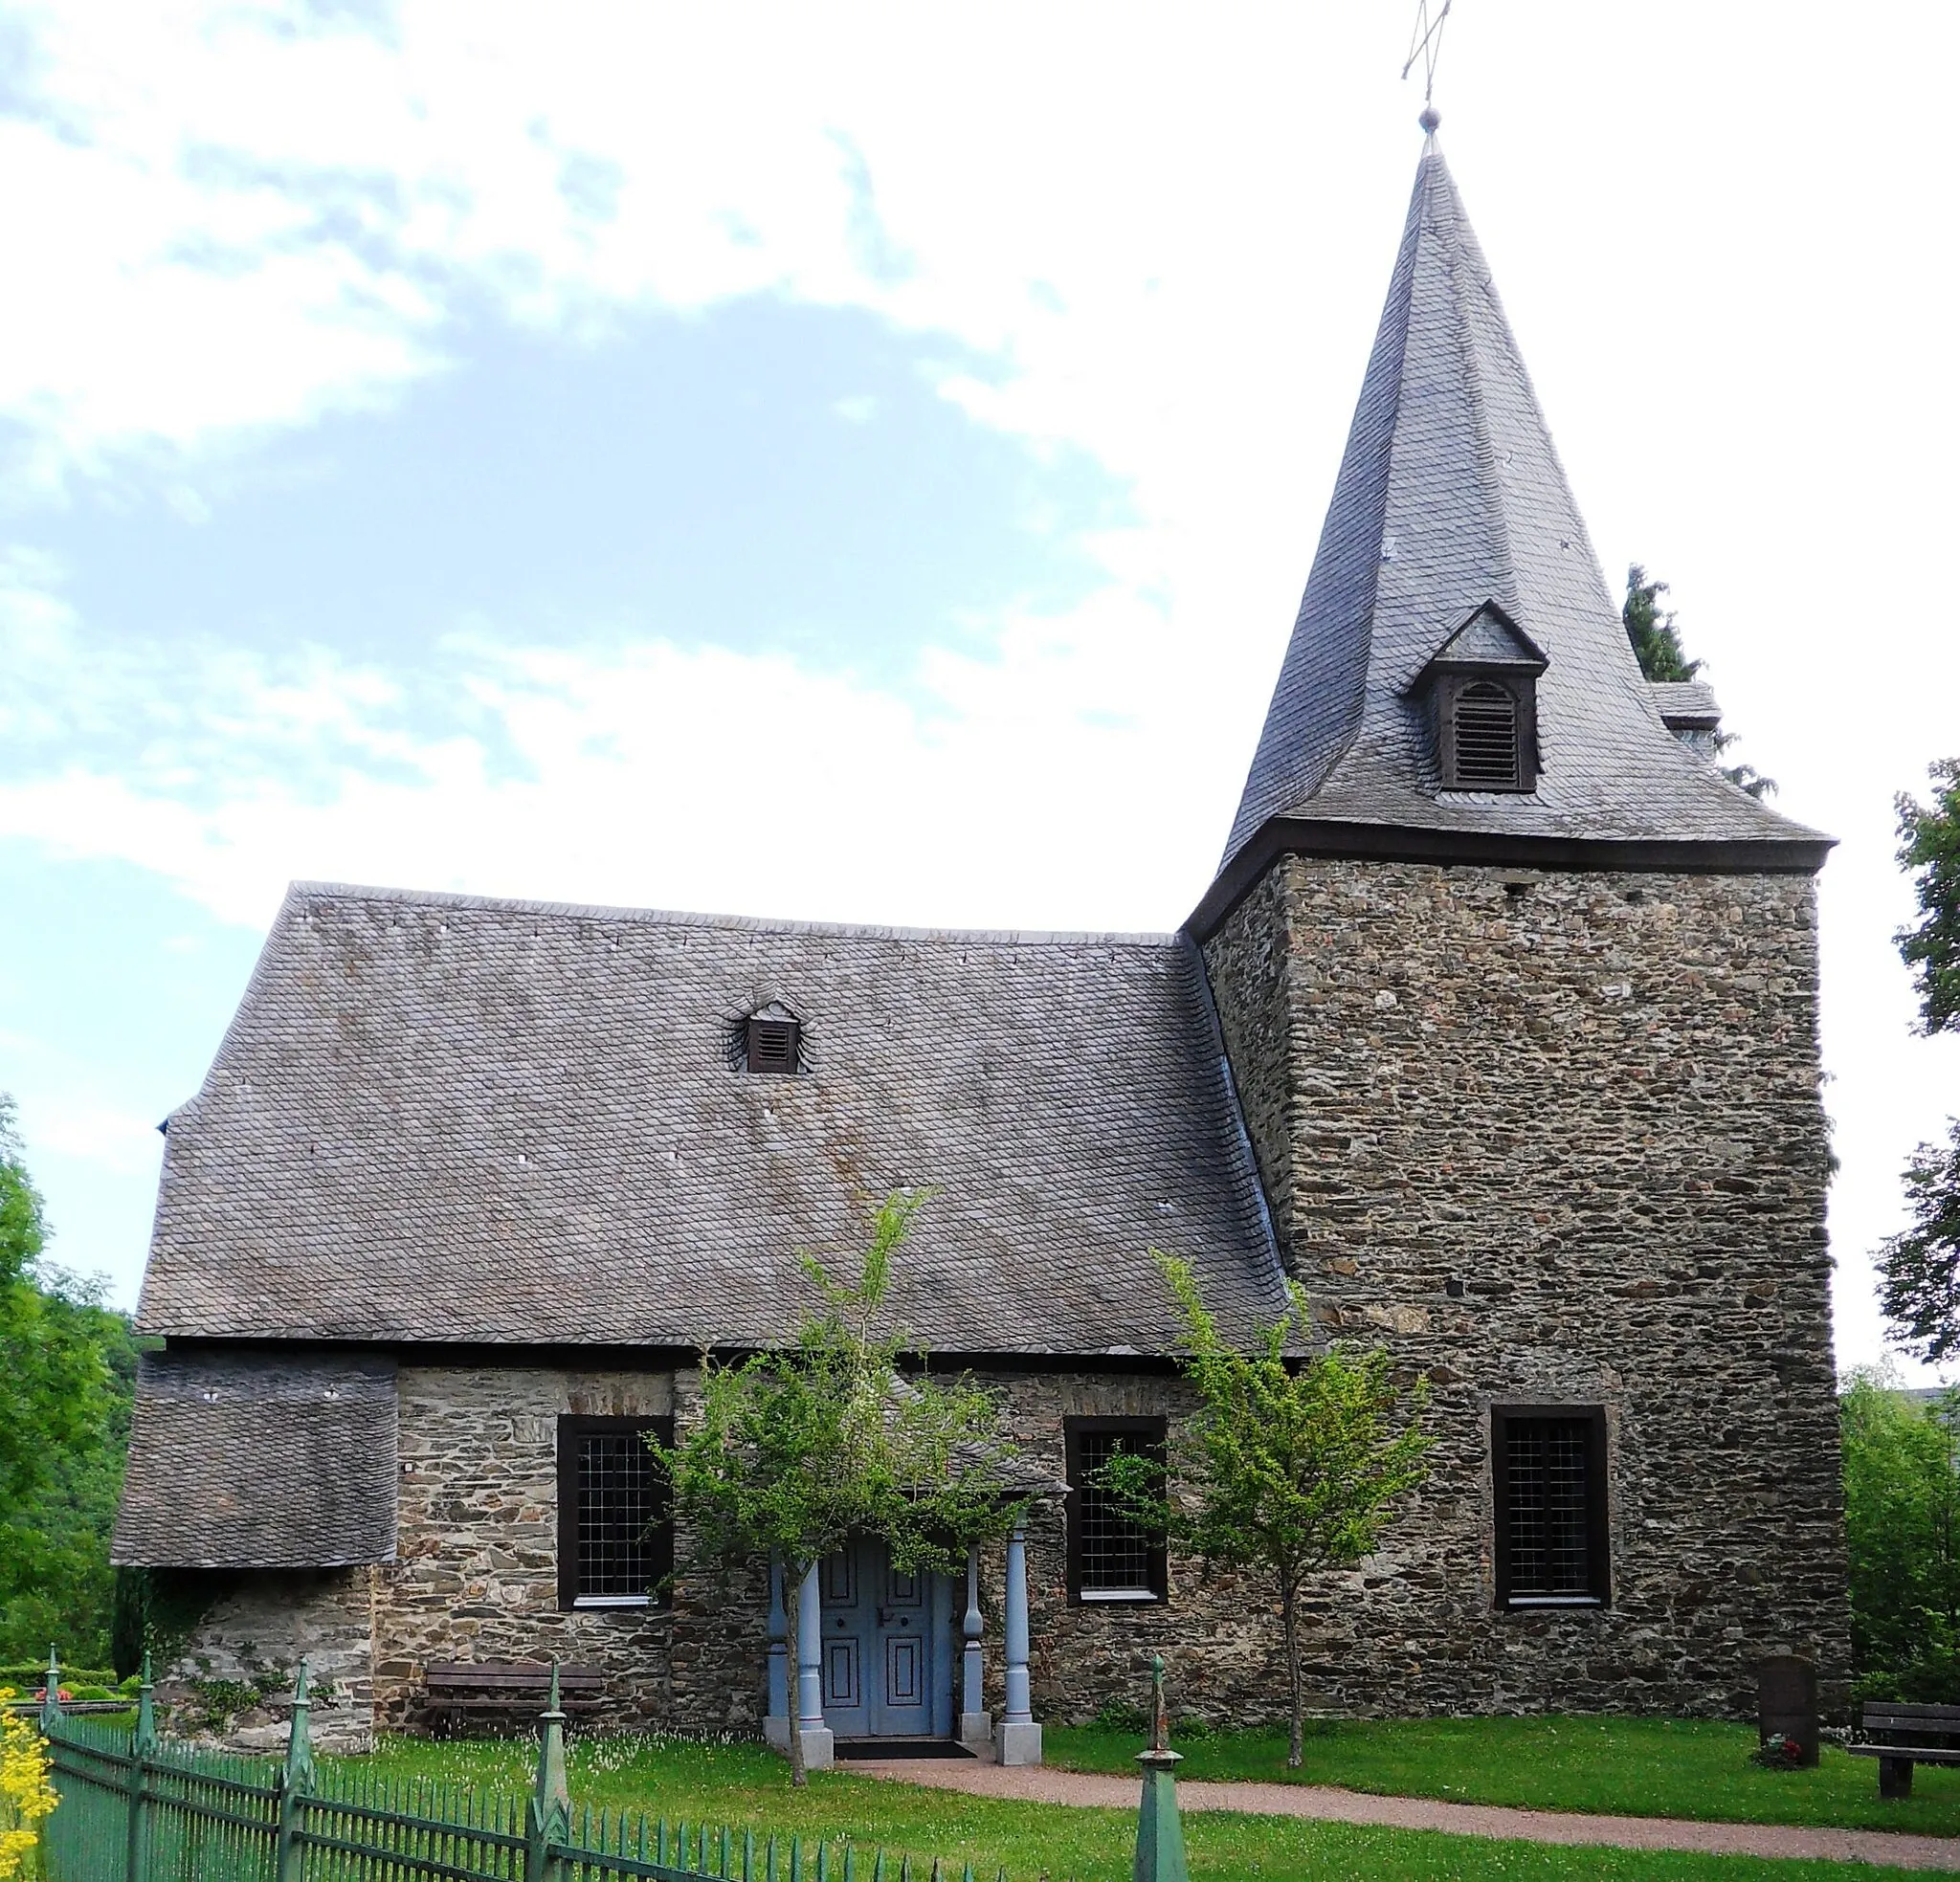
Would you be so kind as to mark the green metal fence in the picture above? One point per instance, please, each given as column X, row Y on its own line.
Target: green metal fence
column 136, row 1808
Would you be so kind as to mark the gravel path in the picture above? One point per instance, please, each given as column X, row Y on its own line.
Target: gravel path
column 1354, row 1807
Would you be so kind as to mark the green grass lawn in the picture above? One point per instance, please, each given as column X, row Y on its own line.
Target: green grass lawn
column 746, row 1786
column 1626, row 1767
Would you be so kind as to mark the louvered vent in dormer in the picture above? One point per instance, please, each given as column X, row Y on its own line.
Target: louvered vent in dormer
column 1481, row 691
column 773, row 1042
column 1485, row 746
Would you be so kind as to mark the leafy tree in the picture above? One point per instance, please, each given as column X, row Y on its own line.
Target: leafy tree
column 1288, row 1468
column 1919, row 1267
column 1656, row 646
column 1902, row 1532
column 1930, row 849
column 55, row 1386
column 69, row 1594
column 796, row 1452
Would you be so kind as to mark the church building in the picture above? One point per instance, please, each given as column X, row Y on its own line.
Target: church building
column 1497, row 1031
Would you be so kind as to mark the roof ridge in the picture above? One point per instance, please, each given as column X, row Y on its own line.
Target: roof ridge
column 736, row 923
column 1488, row 483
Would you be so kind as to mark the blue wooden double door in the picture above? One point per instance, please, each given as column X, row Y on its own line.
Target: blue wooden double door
column 887, row 1648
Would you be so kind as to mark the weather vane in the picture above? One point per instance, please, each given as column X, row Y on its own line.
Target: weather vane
column 1426, row 43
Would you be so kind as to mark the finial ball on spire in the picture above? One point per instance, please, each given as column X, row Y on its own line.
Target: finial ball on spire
column 1431, row 118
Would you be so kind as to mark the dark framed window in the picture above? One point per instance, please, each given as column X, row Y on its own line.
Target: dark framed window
column 1110, row 1557
column 1548, row 1470
column 1489, row 733
column 615, row 1529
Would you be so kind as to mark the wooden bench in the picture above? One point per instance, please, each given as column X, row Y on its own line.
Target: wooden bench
column 514, row 1686
column 1913, row 1734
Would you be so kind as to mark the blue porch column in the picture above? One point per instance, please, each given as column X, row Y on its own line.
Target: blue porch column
column 775, row 1724
column 1020, row 1737
column 819, row 1747
column 977, row 1727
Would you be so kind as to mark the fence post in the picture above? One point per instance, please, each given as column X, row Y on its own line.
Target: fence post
column 296, row 1784
column 142, row 1748
column 51, row 1697
column 548, row 1811
column 1160, row 1832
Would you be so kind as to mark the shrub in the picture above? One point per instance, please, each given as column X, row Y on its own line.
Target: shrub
column 1901, row 1524
column 27, row 1790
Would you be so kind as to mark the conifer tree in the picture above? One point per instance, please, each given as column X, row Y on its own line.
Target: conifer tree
column 1656, row 646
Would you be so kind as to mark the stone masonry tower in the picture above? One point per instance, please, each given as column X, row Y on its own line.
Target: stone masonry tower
column 1519, row 993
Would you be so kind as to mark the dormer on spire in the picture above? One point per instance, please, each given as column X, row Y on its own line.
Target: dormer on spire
column 1480, row 691
column 1453, row 544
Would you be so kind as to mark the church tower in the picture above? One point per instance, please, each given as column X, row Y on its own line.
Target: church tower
column 1520, row 998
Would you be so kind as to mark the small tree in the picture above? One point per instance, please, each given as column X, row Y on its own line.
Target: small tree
column 1655, row 639
column 796, row 1452
column 1289, row 1465
column 1929, row 850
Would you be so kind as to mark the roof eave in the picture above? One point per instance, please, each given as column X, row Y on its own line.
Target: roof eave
column 1307, row 836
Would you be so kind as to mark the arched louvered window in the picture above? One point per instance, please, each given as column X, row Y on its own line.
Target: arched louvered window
column 1485, row 750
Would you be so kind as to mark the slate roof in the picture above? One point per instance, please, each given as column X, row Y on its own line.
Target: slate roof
column 259, row 1461
column 1451, row 495
column 444, row 1118
column 1685, row 704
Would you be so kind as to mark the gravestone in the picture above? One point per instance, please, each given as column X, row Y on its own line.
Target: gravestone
column 1787, row 1703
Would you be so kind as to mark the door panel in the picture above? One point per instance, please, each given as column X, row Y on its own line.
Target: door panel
column 883, row 1658
column 849, row 1628
column 843, row 1674
column 903, row 1707
column 904, row 1672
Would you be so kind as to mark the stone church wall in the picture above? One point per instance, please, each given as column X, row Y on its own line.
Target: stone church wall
column 476, row 1574
column 232, row 1679
column 1557, row 1137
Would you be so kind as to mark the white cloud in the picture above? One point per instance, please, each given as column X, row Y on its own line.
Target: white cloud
column 1022, row 786
column 1170, row 234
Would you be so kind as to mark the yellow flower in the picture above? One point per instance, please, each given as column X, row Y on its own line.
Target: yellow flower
column 27, row 1789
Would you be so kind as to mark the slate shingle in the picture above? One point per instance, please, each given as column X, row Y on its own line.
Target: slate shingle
column 260, row 1460
column 441, row 1118
column 1451, row 494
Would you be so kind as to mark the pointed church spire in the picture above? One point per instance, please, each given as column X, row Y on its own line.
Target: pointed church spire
column 1450, row 500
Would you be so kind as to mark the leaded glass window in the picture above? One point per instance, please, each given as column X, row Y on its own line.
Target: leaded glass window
column 1111, row 1557
column 1550, row 1506
column 616, row 1541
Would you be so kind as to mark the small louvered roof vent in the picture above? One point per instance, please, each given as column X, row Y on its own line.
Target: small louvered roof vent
column 1486, row 741
column 776, row 1039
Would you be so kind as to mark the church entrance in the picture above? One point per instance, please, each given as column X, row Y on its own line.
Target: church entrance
column 887, row 1648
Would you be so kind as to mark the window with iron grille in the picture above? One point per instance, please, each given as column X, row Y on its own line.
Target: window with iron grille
column 1110, row 1557
column 615, row 1535
column 1548, row 1463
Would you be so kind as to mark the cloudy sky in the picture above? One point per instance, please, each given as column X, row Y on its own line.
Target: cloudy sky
column 861, row 462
